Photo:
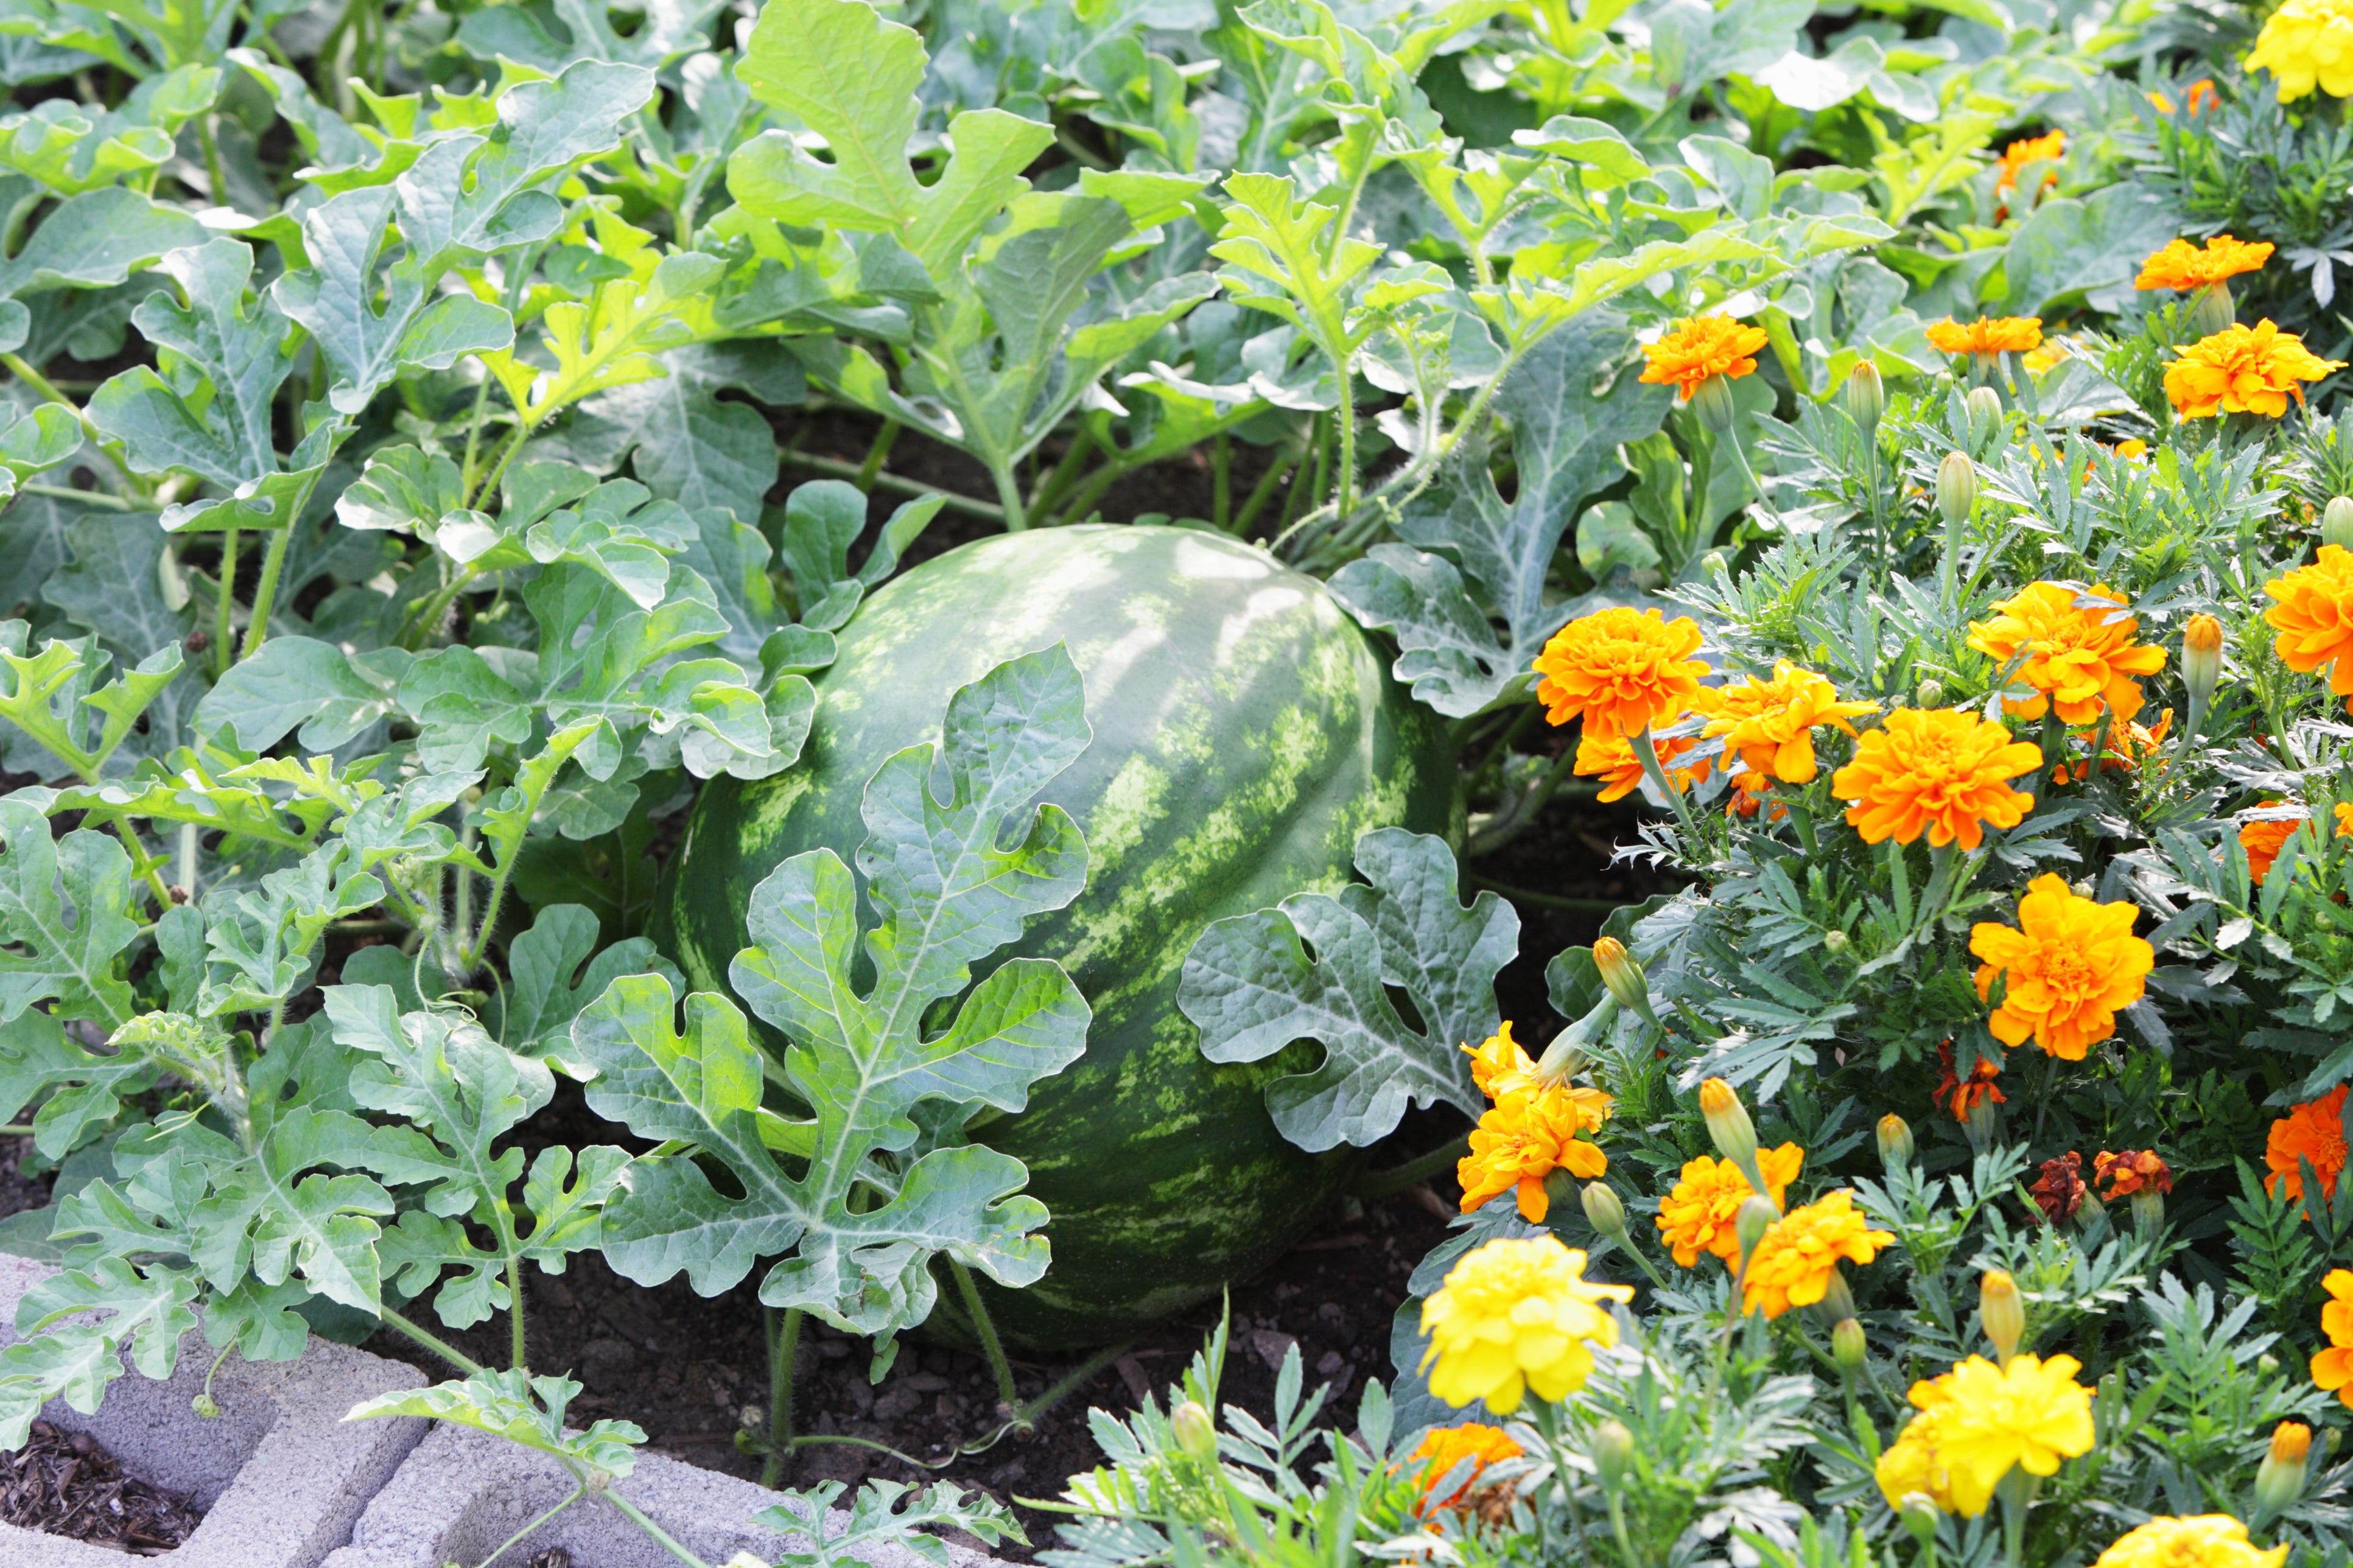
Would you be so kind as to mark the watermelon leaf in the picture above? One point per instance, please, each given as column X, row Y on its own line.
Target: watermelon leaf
column 1472, row 558
column 1320, row 968
column 64, row 915
column 874, row 1195
column 76, row 1360
column 521, row 1408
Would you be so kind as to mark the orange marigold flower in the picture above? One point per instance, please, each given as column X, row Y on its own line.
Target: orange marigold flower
column 1500, row 1066
column 2079, row 648
column 1525, row 1137
column 2314, row 618
column 2045, row 149
column 1963, row 1096
column 1622, row 671
column 2332, row 1368
column 2200, row 96
column 1769, row 724
column 1697, row 1216
column 2244, row 370
column 1447, row 1447
column 2313, row 1132
column 2264, row 837
column 2068, row 968
column 2133, row 1171
column 2058, row 1191
column 1988, row 335
column 1611, row 759
column 1793, row 1266
column 2181, row 264
column 2128, row 746
column 1939, row 771
column 1700, row 349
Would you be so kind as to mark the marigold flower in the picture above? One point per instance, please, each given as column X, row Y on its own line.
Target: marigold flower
column 1701, row 348
column 1769, row 724
column 2048, row 148
column 2181, row 264
column 1913, row 1463
column 2129, row 745
column 2069, row 966
column 2308, row 44
column 2079, row 648
column 2207, row 1541
column 2244, row 370
column 2133, row 1171
column 1697, row 1216
column 2059, row 1190
column 2313, row 1132
column 2198, row 96
column 1499, row 1066
column 2314, row 618
column 2264, row 837
column 2030, row 1415
column 1525, row 1137
column 1622, row 670
column 2332, row 1367
column 1447, row 1447
column 1963, row 1096
column 1513, row 1317
column 1988, row 335
column 1939, row 771
column 1611, row 759
column 1795, row 1263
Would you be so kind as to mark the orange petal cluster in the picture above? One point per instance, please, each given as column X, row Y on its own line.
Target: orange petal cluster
column 2313, row 617
column 1793, row 1265
column 2048, row 148
column 2265, row 836
column 2244, row 370
column 2313, row 1132
column 1988, row 335
column 1622, row 670
column 2068, row 967
column 1963, row 1096
column 2080, row 656
column 1611, row 759
column 1533, row 1128
column 2181, row 264
column 1447, row 1447
column 1697, row 1216
column 1769, row 724
column 1942, row 771
column 1700, row 349
column 2332, row 1368
column 2133, row 1171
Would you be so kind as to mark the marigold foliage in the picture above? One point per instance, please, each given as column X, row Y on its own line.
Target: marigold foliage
column 1940, row 771
column 2067, row 969
column 1517, row 1317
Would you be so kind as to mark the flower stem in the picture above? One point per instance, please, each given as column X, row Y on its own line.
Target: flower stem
column 1647, row 753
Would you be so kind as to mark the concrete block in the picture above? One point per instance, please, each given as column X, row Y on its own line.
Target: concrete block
column 462, row 1493
column 280, row 1473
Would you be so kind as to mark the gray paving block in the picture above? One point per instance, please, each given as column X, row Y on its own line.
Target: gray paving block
column 281, row 1473
column 464, row 1492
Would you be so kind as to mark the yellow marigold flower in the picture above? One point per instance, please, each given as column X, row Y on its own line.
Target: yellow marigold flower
column 1447, row 1447
column 1988, row 335
column 1700, row 349
column 1795, row 1263
column 1525, row 1137
column 1697, row 1216
column 2132, row 447
column 2244, row 370
column 2030, row 1415
column 2181, row 264
column 2045, row 149
column 2313, row 1133
column 1769, row 724
column 2207, row 1541
column 2308, row 44
column 1913, row 1462
column 2314, row 618
column 2071, row 965
column 1622, row 671
column 1611, row 759
column 1939, row 771
column 2332, row 1368
column 2079, row 648
column 1514, row 1316
column 1499, row 1066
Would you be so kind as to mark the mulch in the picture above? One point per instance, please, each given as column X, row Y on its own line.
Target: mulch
column 64, row 1484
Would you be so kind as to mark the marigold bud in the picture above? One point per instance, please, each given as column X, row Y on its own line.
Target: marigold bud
column 1195, row 1433
column 1603, row 1211
column 1932, row 694
column 1756, row 1216
column 1728, row 1124
column 2201, row 657
column 1865, row 396
column 1920, row 1516
column 1712, row 401
column 1848, row 1347
column 1984, row 405
column 1612, row 1453
column 2279, row 1479
column 2337, row 522
column 1622, row 974
column 1896, row 1143
column 2003, row 1311
column 1956, row 489
column 1834, row 943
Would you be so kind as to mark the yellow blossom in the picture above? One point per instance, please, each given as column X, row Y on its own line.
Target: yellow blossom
column 1799, row 1255
column 1769, row 724
column 2307, row 43
column 1516, row 1317
column 2206, row 1541
column 1697, row 1216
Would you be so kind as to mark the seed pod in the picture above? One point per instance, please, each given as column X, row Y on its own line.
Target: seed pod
column 1956, row 489
column 2003, row 1312
column 1865, row 396
column 1848, row 1347
column 1612, row 1453
column 1895, row 1142
column 1931, row 694
column 1603, row 1211
column 1195, row 1433
column 2337, row 522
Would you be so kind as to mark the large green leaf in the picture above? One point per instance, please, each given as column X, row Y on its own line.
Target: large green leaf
column 946, row 891
column 66, row 913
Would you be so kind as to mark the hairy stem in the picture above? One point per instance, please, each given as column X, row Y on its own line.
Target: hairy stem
column 784, row 1337
column 225, row 607
column 978, row 1311
column 257, row 625
column 432, row 1341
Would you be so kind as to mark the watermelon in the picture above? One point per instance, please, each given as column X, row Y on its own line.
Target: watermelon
column 1246, row 731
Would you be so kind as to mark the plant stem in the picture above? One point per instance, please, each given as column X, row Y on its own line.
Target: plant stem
column 981, row 1325
column 892, row 482
column 81, row 498
column 1273, row 476
column 514, row 1295
column 212, row 159
column 1542, row 900
column 1050, row 491
column 521, row 1535
column 876, row 451
column 1397, row 1178
column 1344, row 492
column 629, row 1511
column 1009, row 498
column 1646, row 752
column 784, row 1346
column 225, row 607
column 257, row 625
column 432, row 1341
column 507, row 450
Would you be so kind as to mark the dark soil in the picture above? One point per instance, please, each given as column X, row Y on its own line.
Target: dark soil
column 65, row 1484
